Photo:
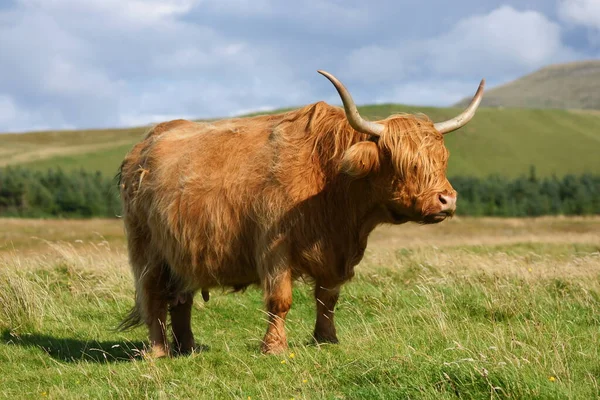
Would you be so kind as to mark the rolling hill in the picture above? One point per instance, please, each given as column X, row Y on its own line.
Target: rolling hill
column 566, row 86
column 497, row 141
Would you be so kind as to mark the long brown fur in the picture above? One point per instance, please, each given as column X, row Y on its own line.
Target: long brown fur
column 266, row 200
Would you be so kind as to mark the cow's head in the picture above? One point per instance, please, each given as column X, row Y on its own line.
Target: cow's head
column 406, row 160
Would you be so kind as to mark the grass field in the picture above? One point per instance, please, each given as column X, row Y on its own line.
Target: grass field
column 471, row 308
column 500, row 141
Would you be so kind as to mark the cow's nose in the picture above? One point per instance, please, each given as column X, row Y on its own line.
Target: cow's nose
column 448, row 203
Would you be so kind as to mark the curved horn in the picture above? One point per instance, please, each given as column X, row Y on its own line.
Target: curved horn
column 354, row 118
column 462, row 119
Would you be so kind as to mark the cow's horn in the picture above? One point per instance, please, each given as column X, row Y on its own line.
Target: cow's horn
column 354, row 118
column 462, row 119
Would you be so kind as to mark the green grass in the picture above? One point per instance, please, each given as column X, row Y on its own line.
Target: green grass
column 90, row 149
column 434, row 320
column 497, row 141
column 105, row 160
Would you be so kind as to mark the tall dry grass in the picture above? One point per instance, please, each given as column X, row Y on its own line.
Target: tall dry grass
column 473, row 308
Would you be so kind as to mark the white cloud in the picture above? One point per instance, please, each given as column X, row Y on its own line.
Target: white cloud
column 581, row 12
column 318, row 14
column 133, row 11
column 99, row 73
column 499, row 46
column 503, row 42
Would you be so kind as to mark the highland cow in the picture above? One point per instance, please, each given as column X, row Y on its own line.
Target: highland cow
column 269, row 199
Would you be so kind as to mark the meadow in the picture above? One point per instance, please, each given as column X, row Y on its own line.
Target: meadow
column 497, row 141
column 470, row 308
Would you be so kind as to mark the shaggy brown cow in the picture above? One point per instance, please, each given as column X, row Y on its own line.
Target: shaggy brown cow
column 268, row 199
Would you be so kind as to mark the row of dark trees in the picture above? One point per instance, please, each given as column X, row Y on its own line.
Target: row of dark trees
column 82, row 194
column 56, row 193
column 528, row 195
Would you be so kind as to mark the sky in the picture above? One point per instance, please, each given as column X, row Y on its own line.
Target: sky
column 72, row 64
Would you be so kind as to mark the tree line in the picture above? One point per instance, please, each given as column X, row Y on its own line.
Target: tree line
column 82, row 194
column 56, row 193
column 528, row 195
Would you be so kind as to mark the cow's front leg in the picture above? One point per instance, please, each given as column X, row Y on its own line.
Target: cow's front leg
column 326, row 298
column 278, row 299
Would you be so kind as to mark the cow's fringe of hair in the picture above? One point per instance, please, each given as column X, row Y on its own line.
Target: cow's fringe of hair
column 409, row 147
column 419, row 158
column 403, row 138
column 417, row 150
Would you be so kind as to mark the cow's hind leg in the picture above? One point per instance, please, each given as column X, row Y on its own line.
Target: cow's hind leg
column 278, row 299
column 326, row 298
column 181, row 315
column 153, row 301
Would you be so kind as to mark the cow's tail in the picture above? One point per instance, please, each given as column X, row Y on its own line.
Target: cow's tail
column 132, row 319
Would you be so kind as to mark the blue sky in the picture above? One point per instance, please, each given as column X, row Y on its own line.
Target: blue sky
column 106, row 63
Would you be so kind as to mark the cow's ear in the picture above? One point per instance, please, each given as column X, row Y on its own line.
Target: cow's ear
column 360, row 159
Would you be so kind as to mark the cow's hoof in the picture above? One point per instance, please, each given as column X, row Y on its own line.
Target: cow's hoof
column 187, row 349
column 156, row 352
column 321, row 338
column 273, row 347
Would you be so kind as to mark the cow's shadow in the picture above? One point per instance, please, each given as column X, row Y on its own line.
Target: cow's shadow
column 77, row 350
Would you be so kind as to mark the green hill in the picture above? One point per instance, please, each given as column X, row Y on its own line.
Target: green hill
column 503, row 141
column 567, row 86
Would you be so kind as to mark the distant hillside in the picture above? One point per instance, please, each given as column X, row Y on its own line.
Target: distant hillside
column 500, row 141
column 566, row 86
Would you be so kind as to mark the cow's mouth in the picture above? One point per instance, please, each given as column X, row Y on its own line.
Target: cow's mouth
column 396, row 217
column 436, row 218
